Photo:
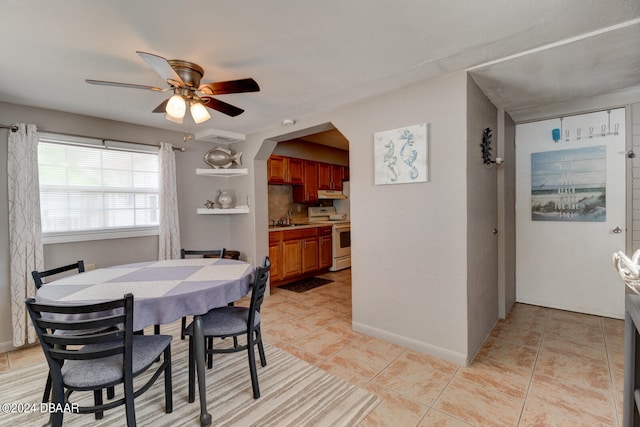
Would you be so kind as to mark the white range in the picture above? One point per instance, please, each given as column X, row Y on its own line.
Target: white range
column 341, row 235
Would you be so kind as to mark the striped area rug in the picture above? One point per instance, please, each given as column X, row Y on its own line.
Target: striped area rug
column 293, row 393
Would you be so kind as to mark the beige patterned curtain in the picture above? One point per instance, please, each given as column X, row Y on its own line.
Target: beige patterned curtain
column 169, row 239
column 25, row 232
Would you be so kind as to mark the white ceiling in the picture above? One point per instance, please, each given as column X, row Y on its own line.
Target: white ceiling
column 310, row 56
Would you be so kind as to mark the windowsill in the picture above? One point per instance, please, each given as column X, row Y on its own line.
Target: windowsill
column 54, row 238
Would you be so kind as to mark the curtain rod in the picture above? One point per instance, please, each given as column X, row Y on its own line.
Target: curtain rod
column 12, row 128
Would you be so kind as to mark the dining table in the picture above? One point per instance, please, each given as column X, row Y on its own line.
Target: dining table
column 164, row 291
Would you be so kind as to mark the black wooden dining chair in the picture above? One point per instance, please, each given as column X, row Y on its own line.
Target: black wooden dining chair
column 81, row 359
column 212, row 253
column 39, row 275
column 232, row 321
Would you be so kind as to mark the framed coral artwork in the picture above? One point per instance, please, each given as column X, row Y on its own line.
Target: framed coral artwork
column 402, row 155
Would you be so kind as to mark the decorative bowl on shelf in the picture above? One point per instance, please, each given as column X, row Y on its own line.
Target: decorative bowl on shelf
column 226, row 199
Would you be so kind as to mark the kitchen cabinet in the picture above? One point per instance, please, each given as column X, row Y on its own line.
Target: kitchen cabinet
column 325, row 256
column 324, row 176
column 299, row 253
column 310, row 253
column 275, row 255
column 308, row 191
column 329, row 177
column 284, row 170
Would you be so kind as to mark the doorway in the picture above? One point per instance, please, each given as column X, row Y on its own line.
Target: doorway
column 570, row 212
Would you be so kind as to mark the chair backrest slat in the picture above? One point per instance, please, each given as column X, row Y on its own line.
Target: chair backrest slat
column 39, row 275
column 61, row 339
column 63, row 354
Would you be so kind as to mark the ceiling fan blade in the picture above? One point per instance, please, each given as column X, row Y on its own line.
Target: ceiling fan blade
column 161, row 66
column 162, row 108
column 127, row 85
column 223, row 107
column 231, row 86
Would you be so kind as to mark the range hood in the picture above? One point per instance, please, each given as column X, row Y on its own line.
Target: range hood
column 330, row 194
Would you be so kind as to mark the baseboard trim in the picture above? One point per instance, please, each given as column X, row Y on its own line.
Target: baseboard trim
column 432, row 350
column 7, row 346
column 573, row 309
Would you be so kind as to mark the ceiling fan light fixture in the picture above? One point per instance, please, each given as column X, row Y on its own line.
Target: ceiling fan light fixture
column 176, row 107
column 199, row 113
column 173, row 119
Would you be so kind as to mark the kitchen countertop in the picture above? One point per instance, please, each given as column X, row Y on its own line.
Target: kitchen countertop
column 300, row 225
column 296, row 226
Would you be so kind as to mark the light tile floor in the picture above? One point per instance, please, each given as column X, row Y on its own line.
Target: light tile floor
column 540, row 366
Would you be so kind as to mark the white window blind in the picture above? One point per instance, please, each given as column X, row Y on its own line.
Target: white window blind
column 87, row 188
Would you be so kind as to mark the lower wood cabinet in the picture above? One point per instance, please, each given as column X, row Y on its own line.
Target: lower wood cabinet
column 325, row 254
column 298, row 253
column 275, row 255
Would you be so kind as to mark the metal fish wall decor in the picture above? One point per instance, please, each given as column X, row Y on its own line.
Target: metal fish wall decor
column 220, row 157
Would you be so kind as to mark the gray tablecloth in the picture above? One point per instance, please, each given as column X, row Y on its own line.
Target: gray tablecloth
column 163, row 291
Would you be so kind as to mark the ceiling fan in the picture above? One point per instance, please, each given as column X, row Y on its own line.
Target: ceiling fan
column 183, row 78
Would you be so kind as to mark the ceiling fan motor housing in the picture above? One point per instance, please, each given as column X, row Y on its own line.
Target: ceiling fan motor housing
column 190, row 73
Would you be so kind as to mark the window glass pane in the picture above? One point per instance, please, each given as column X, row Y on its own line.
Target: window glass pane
column 117, row 178
column 83, row 177
column 52, row 154
column 145, row 180
column 94, row 189
column 83, row 157
column 119, row 218
column 145, row 162
column 116, row 160
column 52, row 175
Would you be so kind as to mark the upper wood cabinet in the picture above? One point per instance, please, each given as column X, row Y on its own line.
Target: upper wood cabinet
column 324, row 176
column 330, row 176
column 284, row 170
column 306, row 176
column 308, row 191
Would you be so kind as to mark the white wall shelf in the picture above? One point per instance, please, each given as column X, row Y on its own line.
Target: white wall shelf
column 222, row 172
column 217, row 211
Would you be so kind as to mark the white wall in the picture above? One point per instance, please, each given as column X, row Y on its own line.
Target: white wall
column 409, row 240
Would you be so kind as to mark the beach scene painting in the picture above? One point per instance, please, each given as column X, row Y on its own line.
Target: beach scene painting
column 401, row 155
column 569, row 185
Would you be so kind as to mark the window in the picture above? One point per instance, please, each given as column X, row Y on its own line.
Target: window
column 89, row 191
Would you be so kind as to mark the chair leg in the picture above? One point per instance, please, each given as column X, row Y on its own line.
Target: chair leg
column 129, row 407
column 210, row 355
column 192, row 371
column 251, row 351
column 156, row 329
column 263, row 358
column 184, row 326
column 58, row 399
column 97, row 400
column 111, row 392
column 47, row 390
column 168, row 387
